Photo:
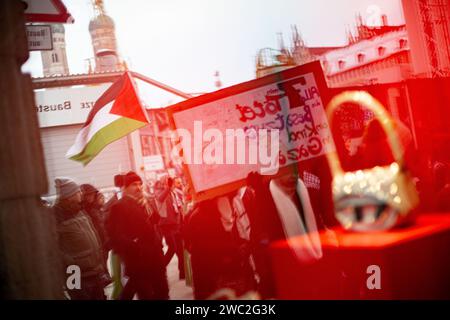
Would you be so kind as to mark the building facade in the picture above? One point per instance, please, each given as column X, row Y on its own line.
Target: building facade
column 102, row 31
column 374, row 58
column 372, row 55
column 384, row 54
column 62, row 111
column 54, row 61
column 428, row 25
column 380, row 58
column 64, row 100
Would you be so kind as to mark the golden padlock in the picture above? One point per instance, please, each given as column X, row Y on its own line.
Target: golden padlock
column 372, row 199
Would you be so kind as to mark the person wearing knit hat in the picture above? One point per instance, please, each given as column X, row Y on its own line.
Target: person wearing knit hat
column 132, row 230
column 66, row 187
column 115, row 261
column 130, row 178
column 132, row 186
column 79, row 242
column 88, row 189
column 68, row 196
column 118, row 180
column 92, row 203
column 92, row 197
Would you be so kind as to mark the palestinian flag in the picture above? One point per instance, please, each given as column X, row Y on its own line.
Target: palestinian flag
column 114, row 115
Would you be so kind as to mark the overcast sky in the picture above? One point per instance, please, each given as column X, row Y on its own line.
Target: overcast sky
column 183, row 42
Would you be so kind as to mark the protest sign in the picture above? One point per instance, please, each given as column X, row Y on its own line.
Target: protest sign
column 261, row 125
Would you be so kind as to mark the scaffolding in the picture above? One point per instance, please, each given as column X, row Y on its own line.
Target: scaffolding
column 434, row 19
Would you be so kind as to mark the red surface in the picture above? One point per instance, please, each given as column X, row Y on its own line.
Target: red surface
column 414, row 263
column 63, row 16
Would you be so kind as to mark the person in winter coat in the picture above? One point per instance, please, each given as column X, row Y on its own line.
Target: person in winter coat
column 212, row 240
column 115, row 262
column 79, row 243
column 132, row 228
column 170, row 199
column 92, row 203
column 266, row 227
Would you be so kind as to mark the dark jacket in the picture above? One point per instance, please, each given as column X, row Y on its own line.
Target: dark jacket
column 216, row 259
column 265, row 222
column 133, row 235
column 79, row 242
column 97, row 216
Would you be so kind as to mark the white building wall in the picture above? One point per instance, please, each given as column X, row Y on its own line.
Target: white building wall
column 114, row 159
column 391, row 42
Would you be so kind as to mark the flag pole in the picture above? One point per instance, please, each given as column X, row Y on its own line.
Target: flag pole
column 160, row 85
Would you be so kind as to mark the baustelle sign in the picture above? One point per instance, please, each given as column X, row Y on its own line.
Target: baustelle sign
column 66, row 106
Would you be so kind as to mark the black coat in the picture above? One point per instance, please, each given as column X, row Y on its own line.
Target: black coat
column 215, row 253
column 133, row 235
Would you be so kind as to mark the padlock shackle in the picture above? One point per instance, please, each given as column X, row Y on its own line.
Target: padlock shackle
column 365, row 99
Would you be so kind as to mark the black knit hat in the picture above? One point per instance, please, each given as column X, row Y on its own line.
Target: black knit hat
column 88, row 189
column 118, row 180
column 131, row 177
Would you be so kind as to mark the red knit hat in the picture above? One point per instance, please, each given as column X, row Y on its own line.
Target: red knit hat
column 131, row 177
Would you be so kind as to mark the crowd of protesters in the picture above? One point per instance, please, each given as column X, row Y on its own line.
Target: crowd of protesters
column 221, row 242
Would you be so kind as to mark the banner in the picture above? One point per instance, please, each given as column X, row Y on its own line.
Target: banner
column 289, row 103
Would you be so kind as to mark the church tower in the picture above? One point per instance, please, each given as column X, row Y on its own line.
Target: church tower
column 103, row 37
column 54, row 61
